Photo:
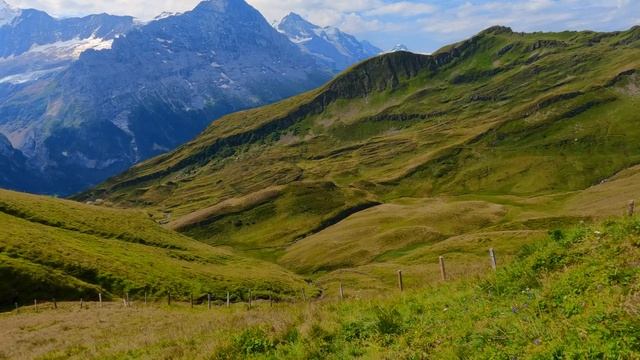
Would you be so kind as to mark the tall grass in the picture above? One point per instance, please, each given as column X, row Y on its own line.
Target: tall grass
column 575, row 294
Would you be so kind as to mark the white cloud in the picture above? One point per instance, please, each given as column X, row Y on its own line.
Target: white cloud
column 402, row 8
column 144, row 9
column 355, row 24
column 533, row 15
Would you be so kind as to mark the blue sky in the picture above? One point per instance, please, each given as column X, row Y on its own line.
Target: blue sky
column 423, row 25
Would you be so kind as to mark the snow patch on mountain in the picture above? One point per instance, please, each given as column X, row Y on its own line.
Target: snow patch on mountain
column 165, row 14
column 398, row 47
column 43, row 60
column 72, row 49
column 24, row 78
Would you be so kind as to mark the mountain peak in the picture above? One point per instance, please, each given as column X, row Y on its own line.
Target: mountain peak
column 7, row 13
column 297, row 18
column 399, row 47
column 327, row 44
column 295, row 24
column 221, row 6
column 294, row 16
column 497, row 30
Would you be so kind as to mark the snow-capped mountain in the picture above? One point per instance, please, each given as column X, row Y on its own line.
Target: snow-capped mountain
column 399, row 47
column 328, row 44
column 7, row 13
column 29, row 28
column 123, row 96
column 166, row 14
column 34, row 44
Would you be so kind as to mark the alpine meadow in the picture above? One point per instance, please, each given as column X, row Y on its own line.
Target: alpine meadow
column 478, row 202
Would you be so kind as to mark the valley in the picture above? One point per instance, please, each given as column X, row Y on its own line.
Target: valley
column 525, row 143
column 492, row 141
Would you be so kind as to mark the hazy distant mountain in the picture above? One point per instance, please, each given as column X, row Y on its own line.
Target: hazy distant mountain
column 328, row 44
column 117, row 99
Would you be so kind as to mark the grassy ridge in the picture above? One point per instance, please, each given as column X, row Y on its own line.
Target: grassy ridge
column 572, row 294
column 504, row 119
column 62, row 249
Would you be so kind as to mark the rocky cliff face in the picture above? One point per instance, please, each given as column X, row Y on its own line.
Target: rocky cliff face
column 151, row 90
column 328, row 44
column 16, row 173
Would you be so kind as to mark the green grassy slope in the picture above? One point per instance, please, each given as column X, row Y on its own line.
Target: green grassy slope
column 523, row 128
column 572, row 295
column 62, row 249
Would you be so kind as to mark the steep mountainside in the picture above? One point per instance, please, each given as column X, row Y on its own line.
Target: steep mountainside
column 60, row 249
column 406, row 157
column 15, row 168
column 146, row 92
column 330, row 45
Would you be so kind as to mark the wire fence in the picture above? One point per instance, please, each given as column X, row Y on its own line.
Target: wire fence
column 248, row 297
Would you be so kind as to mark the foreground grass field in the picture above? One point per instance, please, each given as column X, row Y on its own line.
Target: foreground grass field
column 573, row 294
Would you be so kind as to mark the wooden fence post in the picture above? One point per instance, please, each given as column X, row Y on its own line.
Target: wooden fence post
column 631, row 208
column 400, row 283
column 492, row 256
column 128, row 303
column 209, row 301
column 304, row 296
column 145, row 297
column 341, row 291
column 17, row 309
column 270, row 300
column 443, row 270
column 55, row 304
column 249, row 298
column 35, row 304
column 100, row 299
column 81, row 303
column 228, row 299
